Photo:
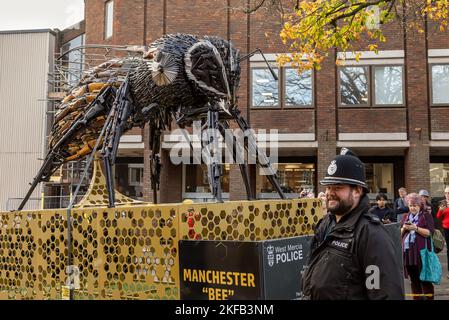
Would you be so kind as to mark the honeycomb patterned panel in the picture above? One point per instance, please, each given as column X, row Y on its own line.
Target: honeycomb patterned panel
column 249, row 220
column 130, row 252
column 127, row 253
column 97, row 194
column 33, row 250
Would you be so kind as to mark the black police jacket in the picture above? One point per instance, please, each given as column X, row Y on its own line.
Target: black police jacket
column 385, row 213
column 352, row 259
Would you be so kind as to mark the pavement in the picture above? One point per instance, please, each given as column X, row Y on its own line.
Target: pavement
column 441, row 290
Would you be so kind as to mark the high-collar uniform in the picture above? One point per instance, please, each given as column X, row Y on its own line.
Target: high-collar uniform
column 344, row 257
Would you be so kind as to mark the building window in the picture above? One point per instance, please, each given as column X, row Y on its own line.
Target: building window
column 73, row 61
column 440, row 84
column 371, row 86
column 298, row 88
column 108, row 19
column 354, row 85
column 379, row 178
column 388, row 85
column 129, row 179
column 135, row 174
column 439, row 179
column 292, row 90
column 293, row 179
column 196, row 183
column 265, row 91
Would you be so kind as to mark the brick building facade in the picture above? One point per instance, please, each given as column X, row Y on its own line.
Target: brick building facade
column 402, row 136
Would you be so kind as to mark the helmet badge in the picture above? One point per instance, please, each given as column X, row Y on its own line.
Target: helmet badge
column 332, row 168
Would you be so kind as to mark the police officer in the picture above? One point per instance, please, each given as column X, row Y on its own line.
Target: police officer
column 352, row 256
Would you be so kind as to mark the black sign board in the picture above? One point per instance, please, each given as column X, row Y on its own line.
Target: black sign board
column 220, row 270
column 235, row 270
column 283, row 260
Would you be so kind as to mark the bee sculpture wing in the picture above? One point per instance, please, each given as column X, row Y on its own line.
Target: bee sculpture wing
column 164, row 69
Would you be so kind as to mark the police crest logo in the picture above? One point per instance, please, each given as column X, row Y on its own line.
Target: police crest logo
column 332, row 168
column 270, row 250
column 271, row 260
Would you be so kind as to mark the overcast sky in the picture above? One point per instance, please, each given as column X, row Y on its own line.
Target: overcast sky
column 40, row 14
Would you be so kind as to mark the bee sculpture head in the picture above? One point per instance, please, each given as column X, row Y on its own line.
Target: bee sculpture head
column 212, row 64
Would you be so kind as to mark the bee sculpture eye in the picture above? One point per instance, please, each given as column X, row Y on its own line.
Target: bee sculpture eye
column 205, row 67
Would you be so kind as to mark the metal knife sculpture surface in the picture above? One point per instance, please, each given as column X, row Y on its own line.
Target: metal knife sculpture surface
column 179, row 77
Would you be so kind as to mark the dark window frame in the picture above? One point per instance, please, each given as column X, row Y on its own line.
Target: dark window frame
column 432, row 104
column 371, row 88
column 283, row 85
column 278, row 106
column 282, row 105
column 368, row 79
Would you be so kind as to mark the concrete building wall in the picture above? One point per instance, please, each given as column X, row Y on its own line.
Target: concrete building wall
column 25, row 62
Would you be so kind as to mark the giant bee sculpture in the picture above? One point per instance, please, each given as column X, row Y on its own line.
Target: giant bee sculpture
column 179, row 77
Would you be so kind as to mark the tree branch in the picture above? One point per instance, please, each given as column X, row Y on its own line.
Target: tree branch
column 360, row 7
column 254, row 9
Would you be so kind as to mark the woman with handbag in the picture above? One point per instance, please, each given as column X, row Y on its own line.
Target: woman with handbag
column 416, row 228
column 443, row 214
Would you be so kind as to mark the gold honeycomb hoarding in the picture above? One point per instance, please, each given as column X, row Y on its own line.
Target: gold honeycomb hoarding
column 130, row 252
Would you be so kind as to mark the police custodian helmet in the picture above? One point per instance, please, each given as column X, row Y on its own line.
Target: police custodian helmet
column 346, row 168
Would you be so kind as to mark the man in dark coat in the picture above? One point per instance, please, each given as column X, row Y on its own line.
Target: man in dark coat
column 352, row 256
column 385, row 214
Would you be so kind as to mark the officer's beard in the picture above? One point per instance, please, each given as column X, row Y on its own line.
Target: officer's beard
column 342, row 207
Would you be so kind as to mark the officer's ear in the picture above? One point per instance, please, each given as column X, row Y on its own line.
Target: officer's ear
column 358, row 190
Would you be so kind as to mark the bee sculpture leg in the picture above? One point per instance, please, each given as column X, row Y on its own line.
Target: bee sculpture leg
column 155, row 162
column 122, row 109
column 47, row 169
column 237, row 149
column 109, row 181
column 212, row 148
column 261, row 158
column 53, row 160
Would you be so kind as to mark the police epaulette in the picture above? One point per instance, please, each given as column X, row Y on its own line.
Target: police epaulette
column 372, row 218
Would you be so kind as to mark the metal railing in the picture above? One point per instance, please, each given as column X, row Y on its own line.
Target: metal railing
column 69, row 71
column 44, row 202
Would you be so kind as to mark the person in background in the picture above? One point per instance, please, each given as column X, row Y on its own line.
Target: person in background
column 303, row 193
column 310, row 194
column 416, row 228
column 424, row 194
column 400, row 205
column 443, row 214
column 385, row 214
